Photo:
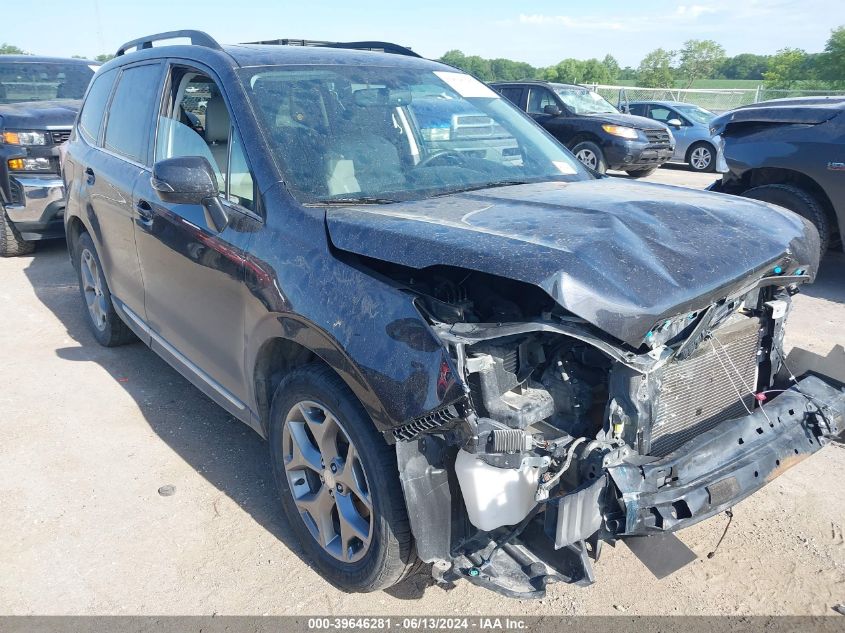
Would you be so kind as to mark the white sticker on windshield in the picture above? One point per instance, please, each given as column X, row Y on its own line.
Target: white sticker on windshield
column 466, row 85
column 564, row 167
column 94, row 67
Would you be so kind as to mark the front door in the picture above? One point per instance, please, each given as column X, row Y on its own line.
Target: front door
column 193, row 276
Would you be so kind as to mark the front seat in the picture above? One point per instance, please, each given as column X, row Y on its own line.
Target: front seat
column 217, row 130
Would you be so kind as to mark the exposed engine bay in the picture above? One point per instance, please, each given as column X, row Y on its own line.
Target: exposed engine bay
column 560, row 421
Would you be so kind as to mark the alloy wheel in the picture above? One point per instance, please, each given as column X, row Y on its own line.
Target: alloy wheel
column 700, row 158
column 588, row 158
column 92, row 287
column 327, row 481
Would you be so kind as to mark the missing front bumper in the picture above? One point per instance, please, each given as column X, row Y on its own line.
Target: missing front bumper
column 721, row 467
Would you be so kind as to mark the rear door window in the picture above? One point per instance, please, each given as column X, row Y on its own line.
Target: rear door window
column 512, row 94
column 130, row 114
column 91, row 117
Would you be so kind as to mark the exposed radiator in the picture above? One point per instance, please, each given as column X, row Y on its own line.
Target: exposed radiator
column 699, row 393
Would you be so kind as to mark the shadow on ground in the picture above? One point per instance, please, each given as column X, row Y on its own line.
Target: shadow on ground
column 232, row 457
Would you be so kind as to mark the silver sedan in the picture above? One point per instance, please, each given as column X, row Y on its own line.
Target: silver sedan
column 690, row 126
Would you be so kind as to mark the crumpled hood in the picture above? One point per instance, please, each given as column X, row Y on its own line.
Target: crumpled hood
column 621, row 255
column 38, row 115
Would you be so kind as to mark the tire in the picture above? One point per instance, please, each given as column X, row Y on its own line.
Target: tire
column 105, row 324
column 701, row 157
column 590, row 155
column 799, row 201
column 11, row 242
column 641, row 173
column 310, row 401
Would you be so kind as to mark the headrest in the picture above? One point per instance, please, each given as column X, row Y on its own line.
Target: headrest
column 216, row 120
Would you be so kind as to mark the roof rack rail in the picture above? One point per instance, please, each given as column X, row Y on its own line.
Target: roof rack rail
column 198, row 38
column 386, row 47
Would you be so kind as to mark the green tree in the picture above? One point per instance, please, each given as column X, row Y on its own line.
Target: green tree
column 831, row 63
column 595, row 72
column 11, row 49
column 699, row 60
column 786, row 68
column 613, row 68
column 744, row 66
column 454, row 58
column 569, row 71
column 104, row 57
column 655, row 69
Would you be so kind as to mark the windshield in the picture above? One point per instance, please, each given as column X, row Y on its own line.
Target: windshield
column 696, row 114
column 583, row 101
column 346, row 134
column 43, row 81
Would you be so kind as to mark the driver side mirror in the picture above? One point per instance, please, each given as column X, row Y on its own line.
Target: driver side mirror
column 674, row 122
column 551, row 109
column 190, row 180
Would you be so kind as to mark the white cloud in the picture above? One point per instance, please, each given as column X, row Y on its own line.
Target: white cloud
column 570, row 22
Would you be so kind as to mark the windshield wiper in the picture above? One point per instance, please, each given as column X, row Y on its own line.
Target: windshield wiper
column 487, row 185
column 353, row 200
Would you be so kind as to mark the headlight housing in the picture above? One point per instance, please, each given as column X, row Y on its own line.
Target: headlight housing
column 25, row 137
column 621, row 130
column 30, row 164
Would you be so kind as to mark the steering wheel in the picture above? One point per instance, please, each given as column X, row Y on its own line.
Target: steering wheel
column 446, row 154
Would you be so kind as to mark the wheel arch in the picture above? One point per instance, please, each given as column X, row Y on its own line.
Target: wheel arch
column 295, row 344
column 757, row 177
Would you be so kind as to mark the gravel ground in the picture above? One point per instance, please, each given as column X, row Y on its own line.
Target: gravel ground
column 89, row 435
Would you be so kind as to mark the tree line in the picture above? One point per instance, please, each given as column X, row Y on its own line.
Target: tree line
column 662, row 68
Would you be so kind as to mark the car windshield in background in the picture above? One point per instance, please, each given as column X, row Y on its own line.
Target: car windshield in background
column 695, row 113
column 348, row 134
column 583, row 101
column 43, row 81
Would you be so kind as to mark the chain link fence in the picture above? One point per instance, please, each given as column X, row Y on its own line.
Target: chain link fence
column 715, row 99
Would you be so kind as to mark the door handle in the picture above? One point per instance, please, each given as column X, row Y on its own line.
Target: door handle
column 89, row 176
column 145, row 211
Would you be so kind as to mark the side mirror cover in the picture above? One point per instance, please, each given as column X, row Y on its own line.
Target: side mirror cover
column 190, row 180
column 551, row 109
column 674, row 122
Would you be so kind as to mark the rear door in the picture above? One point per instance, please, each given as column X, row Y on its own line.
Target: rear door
column 110, row 174
column 193, row 276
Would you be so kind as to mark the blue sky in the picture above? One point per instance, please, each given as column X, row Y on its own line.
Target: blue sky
column 541, row 32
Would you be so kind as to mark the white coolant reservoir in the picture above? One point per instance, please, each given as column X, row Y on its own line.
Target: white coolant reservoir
column 495, row 496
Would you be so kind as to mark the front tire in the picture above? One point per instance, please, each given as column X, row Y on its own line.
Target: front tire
column 799, row 201
column 590, row 155
column 103, row 321
column 11, row 242
column 641, row 173
column 702, row 157
column 339, row 483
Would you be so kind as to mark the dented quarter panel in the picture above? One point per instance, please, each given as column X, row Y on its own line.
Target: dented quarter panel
column 620, row 255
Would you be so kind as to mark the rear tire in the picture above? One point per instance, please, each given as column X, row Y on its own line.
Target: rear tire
column 701, row 157
column 339, row 483
column 103, row 321
column 11, row 242
column 799, row 201
column 641, row 173
column 590, row 155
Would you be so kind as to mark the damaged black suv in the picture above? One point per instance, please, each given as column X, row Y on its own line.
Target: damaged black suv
column 492, row 362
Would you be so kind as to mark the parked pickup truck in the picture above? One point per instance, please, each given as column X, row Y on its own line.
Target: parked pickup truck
column 39, row 99
column 598, row 134
column 790, row 152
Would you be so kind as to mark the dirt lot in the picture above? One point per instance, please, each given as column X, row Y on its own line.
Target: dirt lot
column 88, row 436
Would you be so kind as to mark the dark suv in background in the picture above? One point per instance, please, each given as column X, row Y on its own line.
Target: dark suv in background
column 39, row 99
column 491, row 363
column 790, row 152
column 598, row 134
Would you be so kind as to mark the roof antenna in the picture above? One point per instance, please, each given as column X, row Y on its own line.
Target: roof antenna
column 730, row 514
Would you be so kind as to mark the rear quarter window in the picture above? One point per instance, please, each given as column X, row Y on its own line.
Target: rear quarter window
column 91, row 118
column 129, row 124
